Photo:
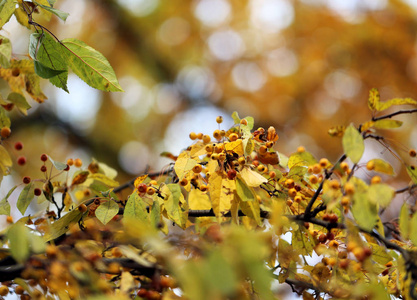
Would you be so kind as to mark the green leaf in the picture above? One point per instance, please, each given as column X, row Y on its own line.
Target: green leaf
column 25, row 197
column 50, row 55
column 381, row 194
column 60, row 14
column 235, row 117
column 175, row 205
column 136, row 208
column 5, row 52
column 302, row 243
column 45, row 72
column 155, row 215
column 396, row 101
column 20, row 101
column 7, row 8
column 301, row 159
column 58, row 165
column 61, row 226
column 412, row 172
column 19, row 242
column 404, row 222
column 244, row 192
column 413, row 229
column 106, row 211
column 373, row 99
column 5, row 161
column 4, row 118
column 220, row 273
column 353, row 144
column 5, row 205
column 252, row 210
column 90, row 65
column 387, row 124
column 382, row 166
column 364, row 211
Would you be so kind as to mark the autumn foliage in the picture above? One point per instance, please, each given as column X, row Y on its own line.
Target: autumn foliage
column 231, row 217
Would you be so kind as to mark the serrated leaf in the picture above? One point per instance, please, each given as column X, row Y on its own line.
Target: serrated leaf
column 381, row 194
column 60, row 14
column 5, row 52
column 404, row 222
column 90, row 65
column 19, row 242
column 106, row 211
column 61, row 226
column 382, row 166
column 26, row 196
column 4, row 118
column 136, row 208
column 58, row 165
column 50, row 55
column 304, row 158
column 244, row 192
column 252, row 178
column 7, row 8
column 198, row 200
column 373, row 99
column 387, row 124
column 175, row 205
column 4, row 204
column 20, row 101
column 353, row 144
column 184, row 164
column 396, row 101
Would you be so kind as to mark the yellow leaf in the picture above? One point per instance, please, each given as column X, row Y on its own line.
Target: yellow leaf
column 236, row 147
column 252, row 210
column 387, row 124
column 396, row 101
column 373, row 100
column 5, row 161
column 139, row 180
column 198, row 149
column 252, row 178
column 198, row 200
column 221, row 192
column 382, row 166
column 184, row 164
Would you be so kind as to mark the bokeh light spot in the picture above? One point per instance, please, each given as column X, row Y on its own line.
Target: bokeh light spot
column 212, row 13
column 226, row 44
column 247, row 76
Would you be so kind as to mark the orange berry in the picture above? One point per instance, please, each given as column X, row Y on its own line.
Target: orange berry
column 4, row 290
column 313, row 179
column 301, row 149
column 78, row 163
column 389, row 264
column 244, row 122
column 375, row 180
column 9, row 219
column 19, row 290
column 334, row 244
column 241, row 160
column 206, row 139
column 222, row 133
column 272, row 174
column 218, row 148
column 292, row 192
column 51, row 250
column 334, row 184
column 183, row 182
column 70, row 161
column 219, row 119
column 203, row 188
column 82, row 208
column 193, row 136
column 344, row 166
column 370, row 165
column 317, row 169
column 233, row 137
column 197, row 169
column 153, row 182
column 261, row 168
column 263, row 149
column 269, row 144
column 412, row 153
column 298, row 198
column 200, row 136
column 289, row 183
column 349, row 188
column 5, row 132
column 345, row 201
column 150, row 191
column 217, row 135
column 324, row 162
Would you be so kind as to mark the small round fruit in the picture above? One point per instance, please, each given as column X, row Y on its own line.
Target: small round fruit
column 5, row 132
column 142, row 188
column 150, row 191
column 197, row 169
column 412, row 152
column 9, row 219
column 349, row 188
column 70, row 161
column 263, row 149
column 219, row 119
column 324, row 162
column 317, row 169
column 4, row 290
column 37, row 192
column 301, row 149
column 19, row 290
column 370, row 165
column 44, row 157
column 272, row 174
column 183, row 182
column 78, row 163
column 217, row 135
column 26, row 180
column 261, row 168
column 344, row 166
column 233, row 137
column 243, row 122
column 289, row 183
column 206, row 139
column 21, row 160
column 292, row 192
column 330, row 236
column 375, row 180
column 269, row 144
column 82, row 208
column 231, row 174
column 334, row 184
column 313, row 179
column 193, row 136
column 44, row 168
column 241, row 160
column 322, row 238
column 18, row 146
column 203, row 188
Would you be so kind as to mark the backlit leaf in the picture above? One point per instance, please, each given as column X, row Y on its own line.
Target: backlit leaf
column 4, row 118
column 102, row 179
column 5, row 161
column 252, row 210
column 198, row 200
column 20, row 101
column 19, row 242
column 136, row 208
column 60, row 14
column 7, row 8
column 235, row 117
column 382, row 166
column 80, row 177
column 221, row 192
column 175, row 205
column 90, row 65
column 353, row 144
column 252, row 178
column 61, row 226
column 184, row 164
column 236, row 147
column 25, row 197
column 303, row 244
column 4, row 204
column 364, row 211
column 301, row 159
column 381, row 194
column 5, row 52
column 106, row 211
column 387, row 124
column 244, row 192
column 412, row 172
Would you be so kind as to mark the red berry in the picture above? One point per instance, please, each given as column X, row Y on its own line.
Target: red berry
column 43, row 168
column 26, row 180
column 142, row 188
column 231, row 174
column 37, row 192
column 44, row 157
column 67, row 168
column 18, row 146
column 21, row 160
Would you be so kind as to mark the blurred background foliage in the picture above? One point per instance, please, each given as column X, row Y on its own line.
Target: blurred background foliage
column 301, row 66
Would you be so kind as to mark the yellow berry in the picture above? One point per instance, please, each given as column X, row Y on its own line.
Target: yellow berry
column 349, row 188
column 193, row 136
column 332, row 260
column 301, row 149
column 209, row 148
column 313, row 179
column 272, row 174
column 324, row 162
column 233, row 137
column 317, row 169
column 292, row 192
column 150, row 191
column 375, row 180
column 345, row 201
column 219, row 119
column 215, row 156
column 269, row 144
column 370, row 165
column 222, row 133
column 82, row 208
column 70, row 161
column 333, row 244
column 217, row 135
column 203, row 188
column 289, row 183
column 241, row 160
column 206, row 139
column 183, row 182
column 344, row 166
column 219, row 148
column 78, row 163
column 261, row 168
column 298, row 198
column 153, row 182
column 4, row 290
column 334, row 184
column 222, row 156
column 200, row 136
